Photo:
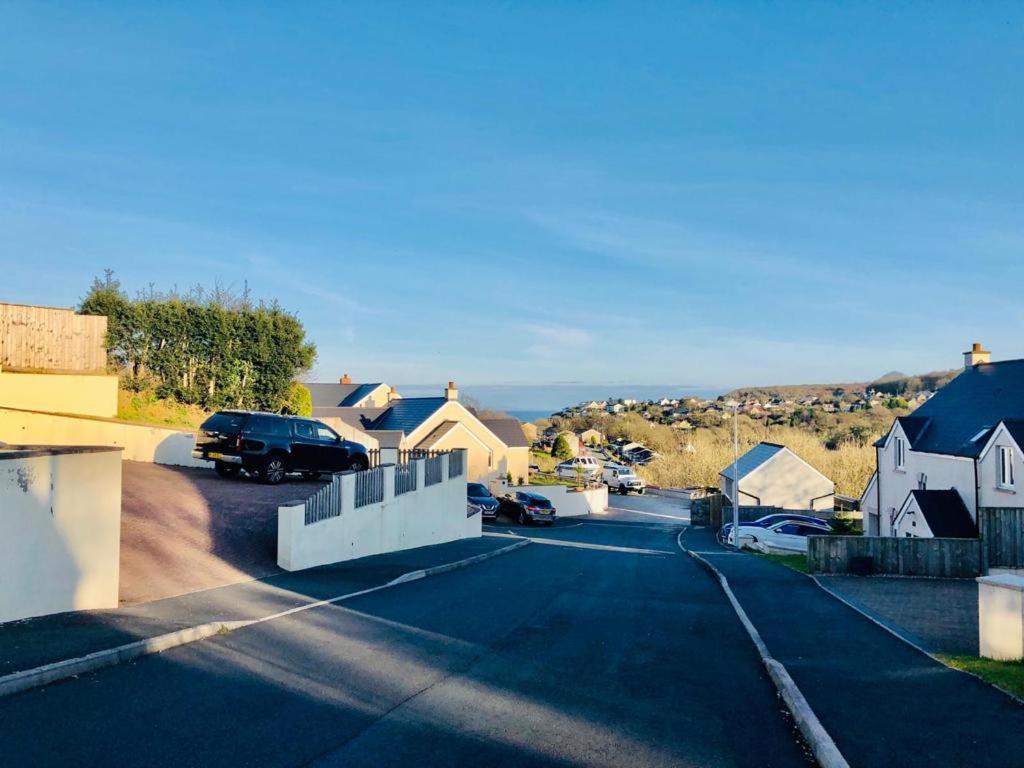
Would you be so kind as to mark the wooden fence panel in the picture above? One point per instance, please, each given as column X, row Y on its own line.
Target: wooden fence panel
column 1002, row 534
column 50, row 339
column 951, row 558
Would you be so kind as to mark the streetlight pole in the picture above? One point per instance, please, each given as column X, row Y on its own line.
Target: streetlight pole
column 735, row 472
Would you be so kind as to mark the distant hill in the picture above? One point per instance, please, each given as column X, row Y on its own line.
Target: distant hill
column 893, row 383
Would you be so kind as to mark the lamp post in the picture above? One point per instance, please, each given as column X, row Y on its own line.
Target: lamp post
column 735, row 472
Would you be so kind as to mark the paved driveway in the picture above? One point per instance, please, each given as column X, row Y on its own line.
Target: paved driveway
column 184, row 529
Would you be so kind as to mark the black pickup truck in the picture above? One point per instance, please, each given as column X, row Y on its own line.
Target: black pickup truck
column 268, row 446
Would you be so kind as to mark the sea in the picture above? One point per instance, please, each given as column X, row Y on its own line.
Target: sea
column 529, row 402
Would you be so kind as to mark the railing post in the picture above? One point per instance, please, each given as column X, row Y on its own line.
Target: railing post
column 291, row 525
column 445, row 461
column 421, row 473
column 389, row 482
column 348, row 492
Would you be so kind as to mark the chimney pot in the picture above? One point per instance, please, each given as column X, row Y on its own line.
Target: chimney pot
column 451, row 392
column 345, row 379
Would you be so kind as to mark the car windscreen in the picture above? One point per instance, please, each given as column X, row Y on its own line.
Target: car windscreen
column 269, row 425
column 229, row 423
column 539, row 503
column 476, row 490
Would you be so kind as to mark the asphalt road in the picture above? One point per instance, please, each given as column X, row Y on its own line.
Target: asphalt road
column 599, row 644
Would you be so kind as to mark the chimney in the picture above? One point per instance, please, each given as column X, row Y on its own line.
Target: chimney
column 976, row 356
column 392, row 394
column 450, row 392
column 345, row 379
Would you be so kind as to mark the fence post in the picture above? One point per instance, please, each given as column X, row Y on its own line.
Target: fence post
column 389, row 482
column 291, row 520
column 445, row 463
column 348, row 492
column 421, row 473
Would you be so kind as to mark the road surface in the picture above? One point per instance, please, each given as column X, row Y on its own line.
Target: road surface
column 598, row 644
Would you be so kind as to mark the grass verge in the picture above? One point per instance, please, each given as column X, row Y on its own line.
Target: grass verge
column 147, row 408
column 1008, row 675
column 796, row 562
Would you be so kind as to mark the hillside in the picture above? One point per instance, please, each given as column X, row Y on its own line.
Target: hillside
column 891, row 383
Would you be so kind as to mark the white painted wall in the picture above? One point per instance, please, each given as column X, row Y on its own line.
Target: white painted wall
column 989, row 492
column 943, row 472
column 428, row 515
column 787, row 481
column 139, row 443
column 1001, row 617
column 567, row 502
column 60, row 530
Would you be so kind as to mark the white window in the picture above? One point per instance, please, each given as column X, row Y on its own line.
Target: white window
column 900, row 453
column 1005, row 467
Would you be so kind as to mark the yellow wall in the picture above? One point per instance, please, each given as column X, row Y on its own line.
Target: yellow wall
column 59, row 393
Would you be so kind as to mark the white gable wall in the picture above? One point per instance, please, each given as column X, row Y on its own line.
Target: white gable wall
column 910, row 523
column 787, row 481
column 990, row 493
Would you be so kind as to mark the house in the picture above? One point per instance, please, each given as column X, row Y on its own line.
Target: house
column 575, row 445
column 615, row 408
column 346, row 394
column 967, row 438
column 771, row 475
column 494, row 447
column 590, row 436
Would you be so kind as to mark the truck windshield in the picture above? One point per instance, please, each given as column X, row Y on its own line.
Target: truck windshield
column 229, row 423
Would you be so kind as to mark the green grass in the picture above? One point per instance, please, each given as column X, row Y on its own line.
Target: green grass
column 796, row 562
column 146, row 408
column 1008, row 675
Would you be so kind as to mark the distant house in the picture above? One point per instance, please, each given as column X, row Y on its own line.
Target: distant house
column 589, row 436
column 771, row 475
column 494, row 447
column 347, row 394
column 615, row 408
column 572, row 439
column 967, row 438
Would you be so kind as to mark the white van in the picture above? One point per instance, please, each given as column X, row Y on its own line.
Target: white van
column 588, row 466
column 622, row 479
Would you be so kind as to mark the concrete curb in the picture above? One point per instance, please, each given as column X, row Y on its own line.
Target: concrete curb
column 62, row 670
column 821, row 743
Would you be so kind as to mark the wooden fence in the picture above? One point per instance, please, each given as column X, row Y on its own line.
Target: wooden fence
column 51, row 340
column 1002, row 537
column 952, row 558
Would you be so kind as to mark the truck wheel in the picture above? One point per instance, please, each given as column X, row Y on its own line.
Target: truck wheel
column 273, row 470
column 523, row 519
column 226, row 470
column 623, row 491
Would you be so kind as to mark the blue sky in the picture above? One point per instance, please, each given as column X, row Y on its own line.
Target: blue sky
column 704, row 194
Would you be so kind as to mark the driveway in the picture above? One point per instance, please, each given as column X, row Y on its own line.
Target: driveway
column 186, row 529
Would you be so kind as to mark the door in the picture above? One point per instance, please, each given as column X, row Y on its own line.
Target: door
column 305, row 447
column 332, row 451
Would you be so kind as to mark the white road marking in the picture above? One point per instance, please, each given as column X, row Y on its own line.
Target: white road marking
column 649, row 514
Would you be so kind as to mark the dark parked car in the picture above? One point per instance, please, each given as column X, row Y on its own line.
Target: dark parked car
column 525, row 507
column 268, row 446
column 477, row 493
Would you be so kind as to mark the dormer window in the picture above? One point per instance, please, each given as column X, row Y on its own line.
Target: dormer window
column 900, row 453
column 1005, row 470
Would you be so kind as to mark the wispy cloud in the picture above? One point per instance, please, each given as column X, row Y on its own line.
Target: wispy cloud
column 551, row 341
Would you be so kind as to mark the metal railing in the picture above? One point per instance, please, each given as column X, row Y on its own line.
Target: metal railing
column 405, row 478
column 432, row 471
column 325, row 503
column 369, row 487
column 408, row 454
column 456, row 463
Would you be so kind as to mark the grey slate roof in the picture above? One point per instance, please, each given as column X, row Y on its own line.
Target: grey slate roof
column 752, row 459
column 330, row 395
column 946, row 514
column 439, row 431
column 976, row 400
column 408, row 413
column 358, row 394
column 508, row 430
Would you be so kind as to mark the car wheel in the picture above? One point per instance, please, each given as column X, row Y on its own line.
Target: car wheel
column 623, row 491
column 310, row 475
column 358, row 464
column 273, row 470
column 226, row 470
column 523, row 519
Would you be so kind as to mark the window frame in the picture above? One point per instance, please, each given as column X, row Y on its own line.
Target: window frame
column 900, row 454
column 1004, row 468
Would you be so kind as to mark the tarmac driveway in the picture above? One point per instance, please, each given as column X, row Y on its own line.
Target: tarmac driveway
column 184, row 529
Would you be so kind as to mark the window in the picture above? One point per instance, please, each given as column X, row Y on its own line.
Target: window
column 326, row 434
column 267, row 425
column 900, row 453
column 1005, row 467
column 305, row 429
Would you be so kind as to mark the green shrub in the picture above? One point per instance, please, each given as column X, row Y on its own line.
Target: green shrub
column 298, row 401
column 561, row 449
